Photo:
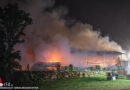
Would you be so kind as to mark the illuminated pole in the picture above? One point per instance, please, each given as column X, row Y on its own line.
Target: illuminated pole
column 121, row 57
column 81, row 62
column 104, row 60
column 86, row 61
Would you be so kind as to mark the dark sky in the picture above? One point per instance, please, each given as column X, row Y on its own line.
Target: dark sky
column 112, row 17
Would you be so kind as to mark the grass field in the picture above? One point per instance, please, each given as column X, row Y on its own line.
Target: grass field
column 93, row 83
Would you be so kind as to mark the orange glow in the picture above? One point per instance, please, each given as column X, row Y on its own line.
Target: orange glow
column 51, row 68
column 29, row 53
column 108, row 60
column 55, row 56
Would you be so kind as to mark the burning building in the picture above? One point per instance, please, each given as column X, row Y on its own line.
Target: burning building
column 42, row 66
column 51, row 37
column 84, row 59
column 102, row 58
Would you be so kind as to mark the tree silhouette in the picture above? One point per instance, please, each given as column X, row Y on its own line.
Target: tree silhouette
column 13, row 22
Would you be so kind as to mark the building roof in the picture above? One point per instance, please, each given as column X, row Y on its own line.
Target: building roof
column 96, row 52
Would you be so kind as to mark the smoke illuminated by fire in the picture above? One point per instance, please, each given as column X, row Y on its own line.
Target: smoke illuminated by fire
column 51, row 37
column 54, row 57
column 29, row 53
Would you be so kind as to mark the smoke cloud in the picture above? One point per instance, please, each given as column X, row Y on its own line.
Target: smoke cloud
column 52, row 33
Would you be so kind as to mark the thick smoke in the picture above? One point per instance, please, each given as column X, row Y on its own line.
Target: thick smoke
column 51, row 33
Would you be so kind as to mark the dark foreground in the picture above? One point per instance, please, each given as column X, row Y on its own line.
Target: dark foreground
column 93, row 83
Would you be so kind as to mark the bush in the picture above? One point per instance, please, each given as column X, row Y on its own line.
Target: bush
column 71, row 67
column 98, row 67
column 122, row 77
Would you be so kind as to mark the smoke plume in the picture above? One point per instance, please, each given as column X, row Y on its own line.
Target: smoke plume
column 52, row 33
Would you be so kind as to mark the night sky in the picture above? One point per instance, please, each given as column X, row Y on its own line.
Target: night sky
column 111, row 17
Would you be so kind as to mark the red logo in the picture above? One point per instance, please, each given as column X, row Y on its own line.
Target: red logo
column 1, row 84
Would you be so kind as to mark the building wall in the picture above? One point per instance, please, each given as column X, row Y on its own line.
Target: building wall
column 102, row 60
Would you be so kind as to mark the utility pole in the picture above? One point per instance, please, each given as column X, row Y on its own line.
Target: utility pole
column 86, row 61
column 104, row 59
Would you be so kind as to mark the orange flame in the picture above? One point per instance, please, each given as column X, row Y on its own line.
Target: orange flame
column 51, row 68
column 55, row 56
